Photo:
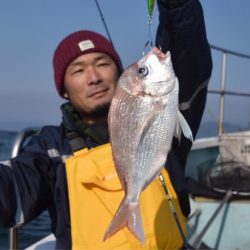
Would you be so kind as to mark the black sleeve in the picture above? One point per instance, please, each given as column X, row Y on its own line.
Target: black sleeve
column 182, row 31
column 8, row 204
column 25, row 185
column 173, row 4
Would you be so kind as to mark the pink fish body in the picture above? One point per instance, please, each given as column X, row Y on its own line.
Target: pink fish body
column 143, row 119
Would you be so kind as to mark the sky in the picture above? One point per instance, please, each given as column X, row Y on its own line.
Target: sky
column 30, row 31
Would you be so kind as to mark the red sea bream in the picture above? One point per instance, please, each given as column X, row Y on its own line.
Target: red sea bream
column 143, row 119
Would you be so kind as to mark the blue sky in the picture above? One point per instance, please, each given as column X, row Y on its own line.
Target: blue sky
column 30, row 31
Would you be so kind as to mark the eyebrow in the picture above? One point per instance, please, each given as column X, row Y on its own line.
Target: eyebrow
column 96, row 58
column 76, row 63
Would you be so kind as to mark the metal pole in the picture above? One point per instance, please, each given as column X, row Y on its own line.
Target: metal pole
column 13, row 239
column 197, row 242
column 18, row 143
column 222, row 98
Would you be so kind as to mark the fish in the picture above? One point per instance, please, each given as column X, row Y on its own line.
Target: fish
column 143, row 119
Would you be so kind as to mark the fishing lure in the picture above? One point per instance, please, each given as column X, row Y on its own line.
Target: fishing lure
column 151, row 4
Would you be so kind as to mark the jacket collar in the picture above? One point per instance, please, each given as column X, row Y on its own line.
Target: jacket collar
column 73, row 122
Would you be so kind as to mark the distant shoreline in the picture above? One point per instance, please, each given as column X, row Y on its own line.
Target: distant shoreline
column 207, row 128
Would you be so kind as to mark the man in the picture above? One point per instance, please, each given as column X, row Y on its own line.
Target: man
column 68, row 169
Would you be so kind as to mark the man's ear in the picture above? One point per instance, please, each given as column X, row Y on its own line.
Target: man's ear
column 65, row 95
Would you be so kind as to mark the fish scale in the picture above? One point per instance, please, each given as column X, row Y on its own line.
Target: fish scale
column 143, row 119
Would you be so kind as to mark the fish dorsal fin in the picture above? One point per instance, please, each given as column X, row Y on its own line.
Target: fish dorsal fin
column 182, row 126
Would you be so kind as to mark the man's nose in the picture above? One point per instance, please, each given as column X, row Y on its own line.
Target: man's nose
column 94, row 76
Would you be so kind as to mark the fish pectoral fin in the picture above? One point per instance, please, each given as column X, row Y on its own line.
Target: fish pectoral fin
column 177, row 132
column 182, row 126
column 128, row 215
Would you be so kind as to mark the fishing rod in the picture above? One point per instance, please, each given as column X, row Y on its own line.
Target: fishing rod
column 174, row 212
column 103, row 21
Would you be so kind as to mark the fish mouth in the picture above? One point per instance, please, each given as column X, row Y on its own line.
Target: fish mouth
column 159, row 53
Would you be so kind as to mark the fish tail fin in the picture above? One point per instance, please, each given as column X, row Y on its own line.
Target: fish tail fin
column 128, row 215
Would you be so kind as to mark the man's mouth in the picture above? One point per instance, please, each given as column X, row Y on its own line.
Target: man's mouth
column 98, row 93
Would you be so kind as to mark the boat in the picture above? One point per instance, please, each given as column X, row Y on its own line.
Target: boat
column 220, row 192
column 218, row 179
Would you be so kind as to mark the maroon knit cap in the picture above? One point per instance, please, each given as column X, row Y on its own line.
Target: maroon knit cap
column 77, row 44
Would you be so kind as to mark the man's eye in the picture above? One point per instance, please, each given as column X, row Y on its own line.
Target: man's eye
column 103, row 64
column 77, row 71
column 142, row 71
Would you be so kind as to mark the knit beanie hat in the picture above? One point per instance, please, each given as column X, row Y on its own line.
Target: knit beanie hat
column 77, row 44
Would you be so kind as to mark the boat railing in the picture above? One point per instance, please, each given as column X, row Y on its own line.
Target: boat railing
column 21, row 139
column 222, row 91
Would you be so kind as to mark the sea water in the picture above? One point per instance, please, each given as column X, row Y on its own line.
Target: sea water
column 36, row 229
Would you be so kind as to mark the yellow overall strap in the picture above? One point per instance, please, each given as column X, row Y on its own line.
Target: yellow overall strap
column 95, row 193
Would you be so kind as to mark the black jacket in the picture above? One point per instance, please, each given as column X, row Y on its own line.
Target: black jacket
column 36, row 179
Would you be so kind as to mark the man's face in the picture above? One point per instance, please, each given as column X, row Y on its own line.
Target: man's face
column 90, row 82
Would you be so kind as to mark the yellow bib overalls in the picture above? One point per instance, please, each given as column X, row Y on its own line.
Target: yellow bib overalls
column 95, row 194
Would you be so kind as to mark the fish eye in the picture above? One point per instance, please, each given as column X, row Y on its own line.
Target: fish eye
column 142, row 71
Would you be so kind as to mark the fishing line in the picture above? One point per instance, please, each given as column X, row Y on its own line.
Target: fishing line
column 151, row 4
